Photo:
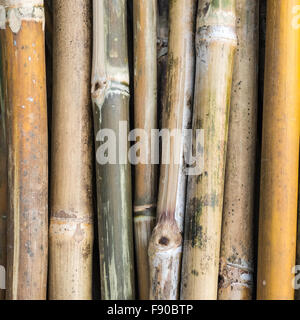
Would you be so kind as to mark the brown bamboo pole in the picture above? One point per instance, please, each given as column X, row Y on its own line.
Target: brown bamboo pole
column 216, row 44
column 162, row 59
column 145, row 117
column 166, row 242
column 110, row 94
column 71, row 223
column 3, row 187
column 280, row 153
column 23, row 48
column 236, row 259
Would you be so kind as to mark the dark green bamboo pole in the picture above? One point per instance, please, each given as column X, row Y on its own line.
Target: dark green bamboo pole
column 110, row 94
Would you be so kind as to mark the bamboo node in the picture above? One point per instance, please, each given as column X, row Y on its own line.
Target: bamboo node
column 144, row 207
column 21, row 3
column 234, row 275
column 218, row 32
column 15, row 15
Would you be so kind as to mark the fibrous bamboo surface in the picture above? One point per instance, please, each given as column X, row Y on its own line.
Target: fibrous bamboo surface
column 145, row 117
column 215, row 44
column 110, row 94
column 71, row 224
column 236, row 260
column 23, row 53
column 165, row 248
column 280, row 152
column 3, row 187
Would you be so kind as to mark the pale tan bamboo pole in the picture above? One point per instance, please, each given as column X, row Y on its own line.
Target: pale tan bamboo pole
column 71, row 223
column 145, row 117
column 110, row 95
column 166, row 242
column 23, row 48
column 236, row 260
column 215, row 43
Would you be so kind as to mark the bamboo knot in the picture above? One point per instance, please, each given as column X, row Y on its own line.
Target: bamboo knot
column 165, row 237
column 215, row 33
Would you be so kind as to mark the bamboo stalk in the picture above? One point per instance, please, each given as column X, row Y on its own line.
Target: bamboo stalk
column 216, row 44
column 110, row 94
column 236, row 260
column 22, row 39
column 162, row 59
column 71, row 223
column 166, row 242
column 280, row 152
column 297, row 291
column 145, row 113
column 3, row 187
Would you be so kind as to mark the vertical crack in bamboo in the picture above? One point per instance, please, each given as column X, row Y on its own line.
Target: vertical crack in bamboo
column 280, row 153
column 236, row 260
column 110, row 94
column 23, row 49
column 166, row 242
column 145, row 111
column 215, row 45
column 71, row 223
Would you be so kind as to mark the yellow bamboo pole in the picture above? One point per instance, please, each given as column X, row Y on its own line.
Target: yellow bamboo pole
column 71, row 224
column 236, row 260
column 280, row 152
column 296, row 271
column 23, row 49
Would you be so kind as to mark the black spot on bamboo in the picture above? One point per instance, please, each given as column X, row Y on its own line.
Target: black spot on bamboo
column 164, row 241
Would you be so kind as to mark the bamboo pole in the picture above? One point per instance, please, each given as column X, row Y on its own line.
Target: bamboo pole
column 3, row 187
column 236, row 259
column 145, row 117
column 23, row 48
column 71, row 223
column 162, row 60
column 215, row 43
column 166, row 242
column 297, row 291
column 280, row 152
column 110, row 94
